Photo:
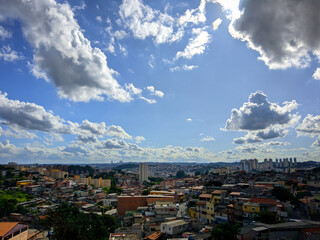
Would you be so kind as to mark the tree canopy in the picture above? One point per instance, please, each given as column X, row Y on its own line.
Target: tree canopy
column 69, row 223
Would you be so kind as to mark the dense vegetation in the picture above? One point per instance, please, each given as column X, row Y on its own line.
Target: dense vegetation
column 68, row 223
column 226, row 231
column 180, row 174
column 10, row 199
column 113, row 189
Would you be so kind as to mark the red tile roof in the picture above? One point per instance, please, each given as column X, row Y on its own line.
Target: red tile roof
column 264, row 201
column 154, row 236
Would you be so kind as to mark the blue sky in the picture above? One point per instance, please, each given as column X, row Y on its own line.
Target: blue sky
column 132, row 80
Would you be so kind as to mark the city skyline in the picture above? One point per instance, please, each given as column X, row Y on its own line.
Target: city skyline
column 159, row 81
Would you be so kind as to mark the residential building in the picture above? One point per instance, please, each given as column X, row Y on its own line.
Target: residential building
column 143, row 172
column 174, row 227
column 13, row 231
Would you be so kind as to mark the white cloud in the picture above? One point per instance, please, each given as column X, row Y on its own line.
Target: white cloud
column 262, row 119
column 22, row 116
column 151, row 61
column 123, row 50
column 28, row 115
column 216, row 23
column 207, row 139
column 194, row 16
column 316, row 143
column 99, row 18
column 4, row 33
column 154, row 92
column 90, row 128
column 79, row 71
column 309, row 126
column 183, row 67
column 189, row 120
column 259, row 136
column 17, row 133
column 118, row 132
column 9, row 55
column 113, row 144
column 259, row 114
column 284, row 32
column 316, row 74
column 143, row 22
column 196, row 45
column 132, row 89
column 139, row 139
column 150, row 101
column 120, row 34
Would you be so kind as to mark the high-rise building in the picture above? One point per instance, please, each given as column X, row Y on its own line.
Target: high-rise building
column 143, row 172
column 270, row 164
column 286, row 162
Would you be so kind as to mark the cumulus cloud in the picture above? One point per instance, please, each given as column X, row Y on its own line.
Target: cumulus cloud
column 310, row 126
column 143, row 22
column 113, row 144
column 92, row 128
column 196, row 45
column 17, row 133
column 189, row 119
column 259, row 114
column 154, row 92
column 87, row 139
column 117, row 131
column 79, row 71
column 9, row 55
column 262, row 119
column 28, row 115
column 7, row 148
column 207, row 139
column 22, row 116
column 284, row 32
column 259, row 136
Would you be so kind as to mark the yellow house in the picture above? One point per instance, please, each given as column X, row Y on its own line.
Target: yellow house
column 22, row 183
column 193, row 213
column 250, row 209
column 210, row 210
column 217, row 195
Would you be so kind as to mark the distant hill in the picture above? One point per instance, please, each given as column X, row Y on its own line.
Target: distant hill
column 126, row 166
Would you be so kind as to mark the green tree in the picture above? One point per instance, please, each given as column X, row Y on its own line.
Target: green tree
column 180, row 174
column 267, row 217
column 282, row 194
column 145, row 192
column 69, row 223
column 225, row 231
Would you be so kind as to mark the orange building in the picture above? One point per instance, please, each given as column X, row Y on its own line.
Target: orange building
column 13, row 230
column 152, row 199
column 130, row 203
